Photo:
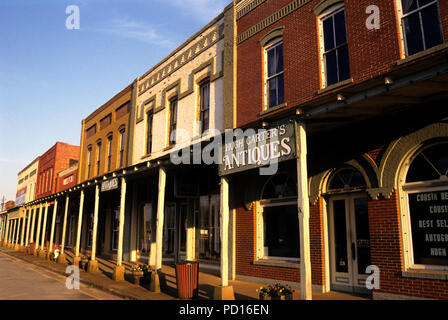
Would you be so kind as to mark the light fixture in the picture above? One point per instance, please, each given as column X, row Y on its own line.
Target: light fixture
column 340, row 97
column 388, row 81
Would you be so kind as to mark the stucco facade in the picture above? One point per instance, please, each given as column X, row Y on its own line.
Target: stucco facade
column 26, row 183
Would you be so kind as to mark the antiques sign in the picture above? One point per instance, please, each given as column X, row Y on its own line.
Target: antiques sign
column 110, row 184
column 259, row 148
column 429, row 223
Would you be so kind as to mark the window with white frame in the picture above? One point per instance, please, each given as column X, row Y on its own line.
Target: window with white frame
column 334, row 46
column 173, row 121
column 98, row 158
column 204, row 90
column 274, row 69
column 425, row 203
column 277, row 221
column 421, row 25
column 109, row 152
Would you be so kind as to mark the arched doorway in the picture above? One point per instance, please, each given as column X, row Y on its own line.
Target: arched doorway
column 349, row 237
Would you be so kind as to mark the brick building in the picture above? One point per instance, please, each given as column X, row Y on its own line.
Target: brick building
column 59, row 157
column 365, row 94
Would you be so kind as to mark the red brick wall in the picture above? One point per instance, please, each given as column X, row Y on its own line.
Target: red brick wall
column 372, row 52
column 60, row 181
column 386, row 251
column 56, row 158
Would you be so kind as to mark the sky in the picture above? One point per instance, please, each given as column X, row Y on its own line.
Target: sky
column 52, row 77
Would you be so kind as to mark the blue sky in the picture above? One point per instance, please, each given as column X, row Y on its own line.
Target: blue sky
column 51, row 77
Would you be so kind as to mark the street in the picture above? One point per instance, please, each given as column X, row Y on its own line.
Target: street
column 23, row 281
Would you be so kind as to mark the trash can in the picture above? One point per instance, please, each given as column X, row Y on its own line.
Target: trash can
column 187, row 276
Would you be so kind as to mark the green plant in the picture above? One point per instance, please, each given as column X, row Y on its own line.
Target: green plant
column 275, row 290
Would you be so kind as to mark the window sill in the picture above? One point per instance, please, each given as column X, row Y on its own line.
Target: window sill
column 277, row 263
column 171, row 146
column 335, row 85
column 422, row 54
column 426, row 274
column 273, row 109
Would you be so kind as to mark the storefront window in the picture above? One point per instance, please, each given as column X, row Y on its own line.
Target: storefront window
column 169, row 230
column 145, row 230
column 427, row 200
column 209, row 241
column 278, row 232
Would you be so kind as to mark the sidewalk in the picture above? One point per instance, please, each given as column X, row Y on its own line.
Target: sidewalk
column 126, row 290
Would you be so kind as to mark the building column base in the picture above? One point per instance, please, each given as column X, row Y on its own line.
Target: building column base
column 42, row 254
column 223, row 293
column 118, row 273
column 154, row 285
column 92, row 266
column 76, row 261
column 62, row 258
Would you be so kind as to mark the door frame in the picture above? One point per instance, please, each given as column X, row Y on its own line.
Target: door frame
column 351, row 286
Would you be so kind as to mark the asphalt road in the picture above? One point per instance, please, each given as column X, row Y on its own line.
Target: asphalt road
column 23, row 281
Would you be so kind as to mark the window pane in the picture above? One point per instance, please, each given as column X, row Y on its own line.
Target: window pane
column 328, row 34
column 431, row 26
column 271, row 62
column 272, row 87
column 340, row 235
column 279, row 57
column 339, row 24
column 408, row 5
column 281, row 90
column 343, row 62
column 425, row 2
column 331, row 68
column 413, row 34
column 281, row 234
column 275, row 60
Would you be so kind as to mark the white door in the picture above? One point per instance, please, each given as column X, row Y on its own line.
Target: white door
column 349, row 242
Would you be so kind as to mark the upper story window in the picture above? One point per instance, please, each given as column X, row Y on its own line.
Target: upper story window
column 205, row 106
column 122, row 143
column 421, row 25
column 109, row 152
column 149, row 123
column 89, row 161
column 173, row 121
column 334, row 46
column 274, row 85
column 98, row 158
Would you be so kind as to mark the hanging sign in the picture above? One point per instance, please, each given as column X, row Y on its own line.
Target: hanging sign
column 261, row 147
column 110, row 184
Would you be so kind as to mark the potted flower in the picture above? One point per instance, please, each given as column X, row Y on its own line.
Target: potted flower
column 146, row 273
column 275, row 292
column 137, row 273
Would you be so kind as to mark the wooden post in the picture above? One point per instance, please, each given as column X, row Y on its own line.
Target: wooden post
column 95, row 221
column 53, row 223
column 64, row 225
column 160, row 217
column 39, row 220
column 78, row 237
column 28, row 224
column 224, row 232
column 33, row 222
column 44, row 227
column 303, row 207
column 121, row 222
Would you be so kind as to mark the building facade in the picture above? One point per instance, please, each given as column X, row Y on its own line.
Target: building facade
column 26, row 183
column 369, row 119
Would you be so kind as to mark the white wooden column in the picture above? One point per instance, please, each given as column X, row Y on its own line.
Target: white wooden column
column 78, row 237
column 121, row 222
column 224, row 232
column 303, row 207
column 28, row 224
column 160, row 217
column 7, row 229
column 16, row 231
column 39, row 220
column 64, row 224
column 33, row 222
column 44, row 227
column 22, row 234
column 95, row 221
column 53, row 223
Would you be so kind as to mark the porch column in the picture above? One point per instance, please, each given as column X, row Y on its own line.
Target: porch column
column 7, row 222
column 39, row 220
column 53, row 223
column 119, row 269
column 33, row 222
column 44, row 227
column 160, row 217
column 224, row 292
column 77, row 259
column 22, row 234
column 93, row 264
column 16, row 231
column 28, row 224
column 303, row 207
column 61, row 257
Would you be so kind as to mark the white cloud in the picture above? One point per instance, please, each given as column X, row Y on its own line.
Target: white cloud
column 139, row 31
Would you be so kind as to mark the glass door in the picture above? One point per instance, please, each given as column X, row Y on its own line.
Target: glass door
column 349, row 242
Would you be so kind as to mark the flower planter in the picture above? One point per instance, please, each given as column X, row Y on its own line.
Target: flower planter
column 282, row 297
column 136, row 277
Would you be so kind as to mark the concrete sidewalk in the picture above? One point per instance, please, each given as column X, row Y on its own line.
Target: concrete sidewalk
column 127, row 290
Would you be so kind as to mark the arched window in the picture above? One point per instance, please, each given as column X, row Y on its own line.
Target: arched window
column 425, row 206
column 279, row 186
column 347, row 179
